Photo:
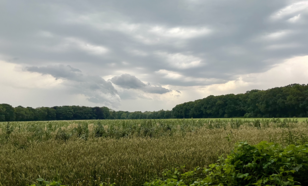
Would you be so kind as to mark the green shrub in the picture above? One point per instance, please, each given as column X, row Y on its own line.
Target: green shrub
column 99, row 130
column 42, row 182
column 262, row 164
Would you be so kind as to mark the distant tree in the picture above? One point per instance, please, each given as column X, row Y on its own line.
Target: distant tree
column 123, row 115
column 112, row 114
column 2, row 113
column 20, row 113
column 288, row 101
column 51, row 114
column 99, row 113
column 64, row 113
column 41, row 113
column 168, row 114
column 8, row 112
column 106, row 112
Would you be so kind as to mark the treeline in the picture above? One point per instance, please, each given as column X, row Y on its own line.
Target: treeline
column 9, row 113
column 288, row 101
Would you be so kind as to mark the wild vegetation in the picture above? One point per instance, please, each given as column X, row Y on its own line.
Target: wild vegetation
column 288, row 101
column 133, row 152
column 261, row 164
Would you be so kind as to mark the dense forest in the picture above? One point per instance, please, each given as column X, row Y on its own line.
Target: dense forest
column 288, row 101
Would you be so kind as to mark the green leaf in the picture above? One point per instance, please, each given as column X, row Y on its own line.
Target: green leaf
column 40, row 179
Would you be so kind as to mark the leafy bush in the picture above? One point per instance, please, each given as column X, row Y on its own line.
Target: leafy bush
column 42, row 182
column 62, row 135
column 99, row 130
column 262, row 164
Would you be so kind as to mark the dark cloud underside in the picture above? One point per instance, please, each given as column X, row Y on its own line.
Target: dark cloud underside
column 127, row 81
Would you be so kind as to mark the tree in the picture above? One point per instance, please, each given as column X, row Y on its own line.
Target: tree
column 99, row 113
column 8, row 112
column 123, row 115
column 51, row 114
column 20, row 113
column 106, row 112
column 64, row 113
column 31, row 114
column 2, row 113
column 41, row 113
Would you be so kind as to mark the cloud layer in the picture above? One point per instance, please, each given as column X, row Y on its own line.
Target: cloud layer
column 95, row 88
column 174, row 46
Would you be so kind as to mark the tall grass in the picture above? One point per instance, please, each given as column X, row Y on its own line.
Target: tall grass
column 126, row 152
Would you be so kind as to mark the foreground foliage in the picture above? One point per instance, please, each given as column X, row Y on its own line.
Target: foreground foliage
column 262, row 164
column 42, row 182
column 129, row 152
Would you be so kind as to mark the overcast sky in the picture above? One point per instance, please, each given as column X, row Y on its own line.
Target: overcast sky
column 140, row 55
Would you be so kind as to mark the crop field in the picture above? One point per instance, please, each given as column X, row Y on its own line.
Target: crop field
column 128, row 152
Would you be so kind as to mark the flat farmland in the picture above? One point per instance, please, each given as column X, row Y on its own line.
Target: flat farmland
column 128, row 152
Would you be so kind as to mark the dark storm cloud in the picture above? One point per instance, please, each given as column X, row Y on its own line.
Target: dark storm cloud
column 128, row 81
column 61, row 71
column 155, row 89
column 131, row 82
column 95, row 88
column 203, row 42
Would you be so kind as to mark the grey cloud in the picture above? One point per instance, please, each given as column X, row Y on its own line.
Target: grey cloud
column 131, row 94
column 95, row 88
column 128, row 81
column 131, row 82
column 155, row 89
column 234, row 46
column 61, row 71
column 125, row 95
column 69, row 32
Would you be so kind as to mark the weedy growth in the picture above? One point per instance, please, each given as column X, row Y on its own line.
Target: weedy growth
column 127, row 152
column 261, row 164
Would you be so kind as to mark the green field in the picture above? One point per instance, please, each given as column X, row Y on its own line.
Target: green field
column 128, row 152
